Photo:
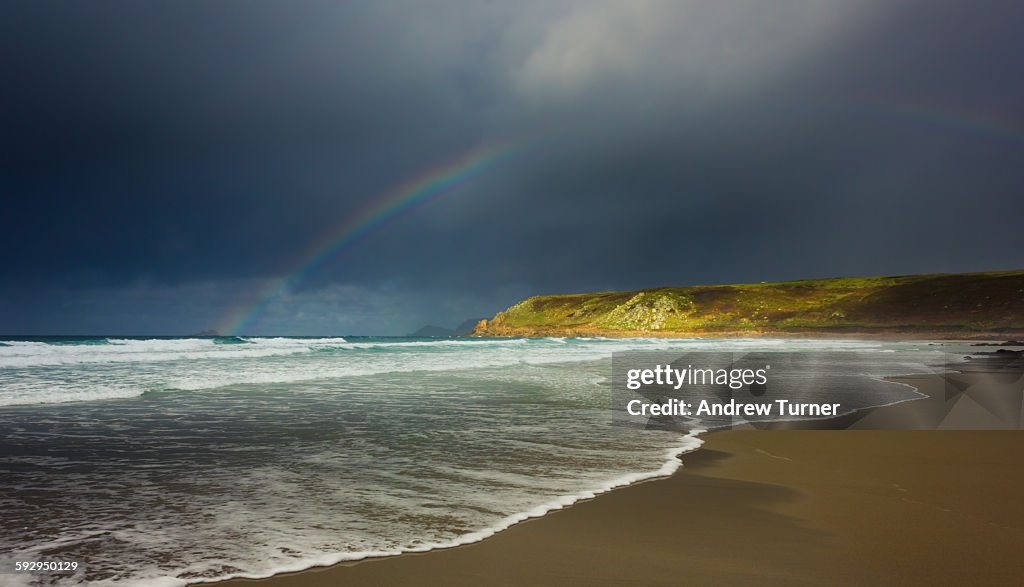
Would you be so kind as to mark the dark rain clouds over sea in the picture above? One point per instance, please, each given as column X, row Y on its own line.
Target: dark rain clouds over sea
column 160, row 163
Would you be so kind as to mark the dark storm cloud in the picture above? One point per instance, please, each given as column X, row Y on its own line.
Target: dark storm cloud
column 204, row 139
column 159, row 160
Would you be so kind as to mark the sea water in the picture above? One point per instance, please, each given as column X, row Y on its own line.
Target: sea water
column 162, row 461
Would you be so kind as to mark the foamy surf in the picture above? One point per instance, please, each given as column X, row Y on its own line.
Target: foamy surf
column 690, row 442
column 326, row 450
column 21, row 354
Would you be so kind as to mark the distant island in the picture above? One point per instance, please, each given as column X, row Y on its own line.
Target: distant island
column 431, row 331
column 964, row 305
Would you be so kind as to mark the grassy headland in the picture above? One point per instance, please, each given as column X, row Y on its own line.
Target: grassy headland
column 947, row 305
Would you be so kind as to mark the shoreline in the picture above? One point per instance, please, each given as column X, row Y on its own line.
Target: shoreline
column 753, row 505
column 733, row 514
column 692, row 442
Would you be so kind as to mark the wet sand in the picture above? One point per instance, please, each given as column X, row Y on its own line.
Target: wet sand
column 881, row 507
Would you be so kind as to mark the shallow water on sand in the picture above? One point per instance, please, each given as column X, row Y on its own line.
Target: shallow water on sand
column 159, row 461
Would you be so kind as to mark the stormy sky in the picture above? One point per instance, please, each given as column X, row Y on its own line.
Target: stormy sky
column 161, row 161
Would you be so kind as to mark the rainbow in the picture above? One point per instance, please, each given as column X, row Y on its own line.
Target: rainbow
column 994, row 125
column 426, row 187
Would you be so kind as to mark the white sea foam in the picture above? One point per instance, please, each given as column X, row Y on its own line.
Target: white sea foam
column 21, row 354
column 689, row 443
column 234, row 464
column 44, row 373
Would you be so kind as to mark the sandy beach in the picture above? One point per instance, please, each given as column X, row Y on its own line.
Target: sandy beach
column 881, row 507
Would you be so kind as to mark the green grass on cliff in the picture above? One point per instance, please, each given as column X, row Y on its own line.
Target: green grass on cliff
column 952, row 302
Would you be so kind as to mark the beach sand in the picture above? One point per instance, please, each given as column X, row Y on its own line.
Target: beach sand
column 880, row 507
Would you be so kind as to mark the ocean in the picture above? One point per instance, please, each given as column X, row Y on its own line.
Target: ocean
column 162, row 461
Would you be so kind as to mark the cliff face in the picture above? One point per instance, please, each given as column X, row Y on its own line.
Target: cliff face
column 968, row 304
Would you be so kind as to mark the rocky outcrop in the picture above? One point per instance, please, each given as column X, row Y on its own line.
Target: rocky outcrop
column 648, row 311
